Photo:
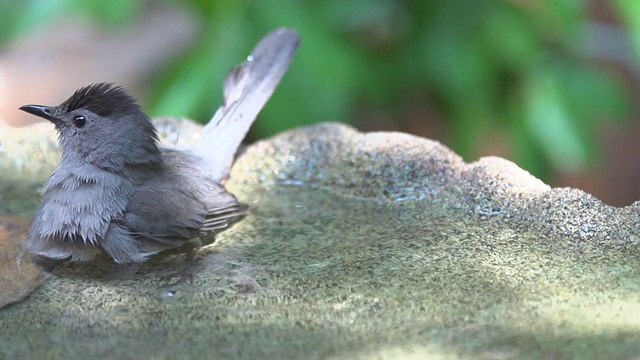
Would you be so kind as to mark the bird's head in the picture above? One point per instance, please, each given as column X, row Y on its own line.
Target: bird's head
column 103, row 125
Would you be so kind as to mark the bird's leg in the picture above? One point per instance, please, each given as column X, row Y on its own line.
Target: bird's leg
column 123, row 270
column 187, row 272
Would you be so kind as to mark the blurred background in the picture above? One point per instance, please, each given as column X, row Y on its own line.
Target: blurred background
column 552, row 85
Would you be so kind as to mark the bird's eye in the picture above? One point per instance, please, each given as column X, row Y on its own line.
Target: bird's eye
column 79, row 121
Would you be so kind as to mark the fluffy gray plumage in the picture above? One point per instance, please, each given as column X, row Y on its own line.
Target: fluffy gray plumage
column 117, row 191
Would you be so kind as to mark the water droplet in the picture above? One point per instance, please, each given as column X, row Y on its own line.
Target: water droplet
column 168, row 294
column 122, row 310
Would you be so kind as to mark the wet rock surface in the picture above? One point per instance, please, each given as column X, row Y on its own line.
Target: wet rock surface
column 357, row 245
column 19, row 276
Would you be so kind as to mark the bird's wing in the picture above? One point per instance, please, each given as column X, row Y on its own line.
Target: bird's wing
column 179, row 203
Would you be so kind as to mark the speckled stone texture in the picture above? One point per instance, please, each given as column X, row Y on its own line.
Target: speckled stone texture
column 356, row 245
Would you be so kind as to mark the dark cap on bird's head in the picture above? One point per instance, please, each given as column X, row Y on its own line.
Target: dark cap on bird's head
column 104, row 99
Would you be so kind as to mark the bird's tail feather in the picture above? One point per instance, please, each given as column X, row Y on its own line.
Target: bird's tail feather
column 247, row 88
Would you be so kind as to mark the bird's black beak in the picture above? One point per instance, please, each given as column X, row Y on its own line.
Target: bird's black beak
column 45, row 112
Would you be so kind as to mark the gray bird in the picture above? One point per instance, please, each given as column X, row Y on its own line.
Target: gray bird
column 116, row 190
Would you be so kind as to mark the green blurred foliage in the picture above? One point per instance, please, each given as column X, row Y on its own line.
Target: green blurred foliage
column 19, row 17
column 485, row 64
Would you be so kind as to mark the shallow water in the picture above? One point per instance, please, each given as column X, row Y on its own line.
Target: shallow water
column 312, row 274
